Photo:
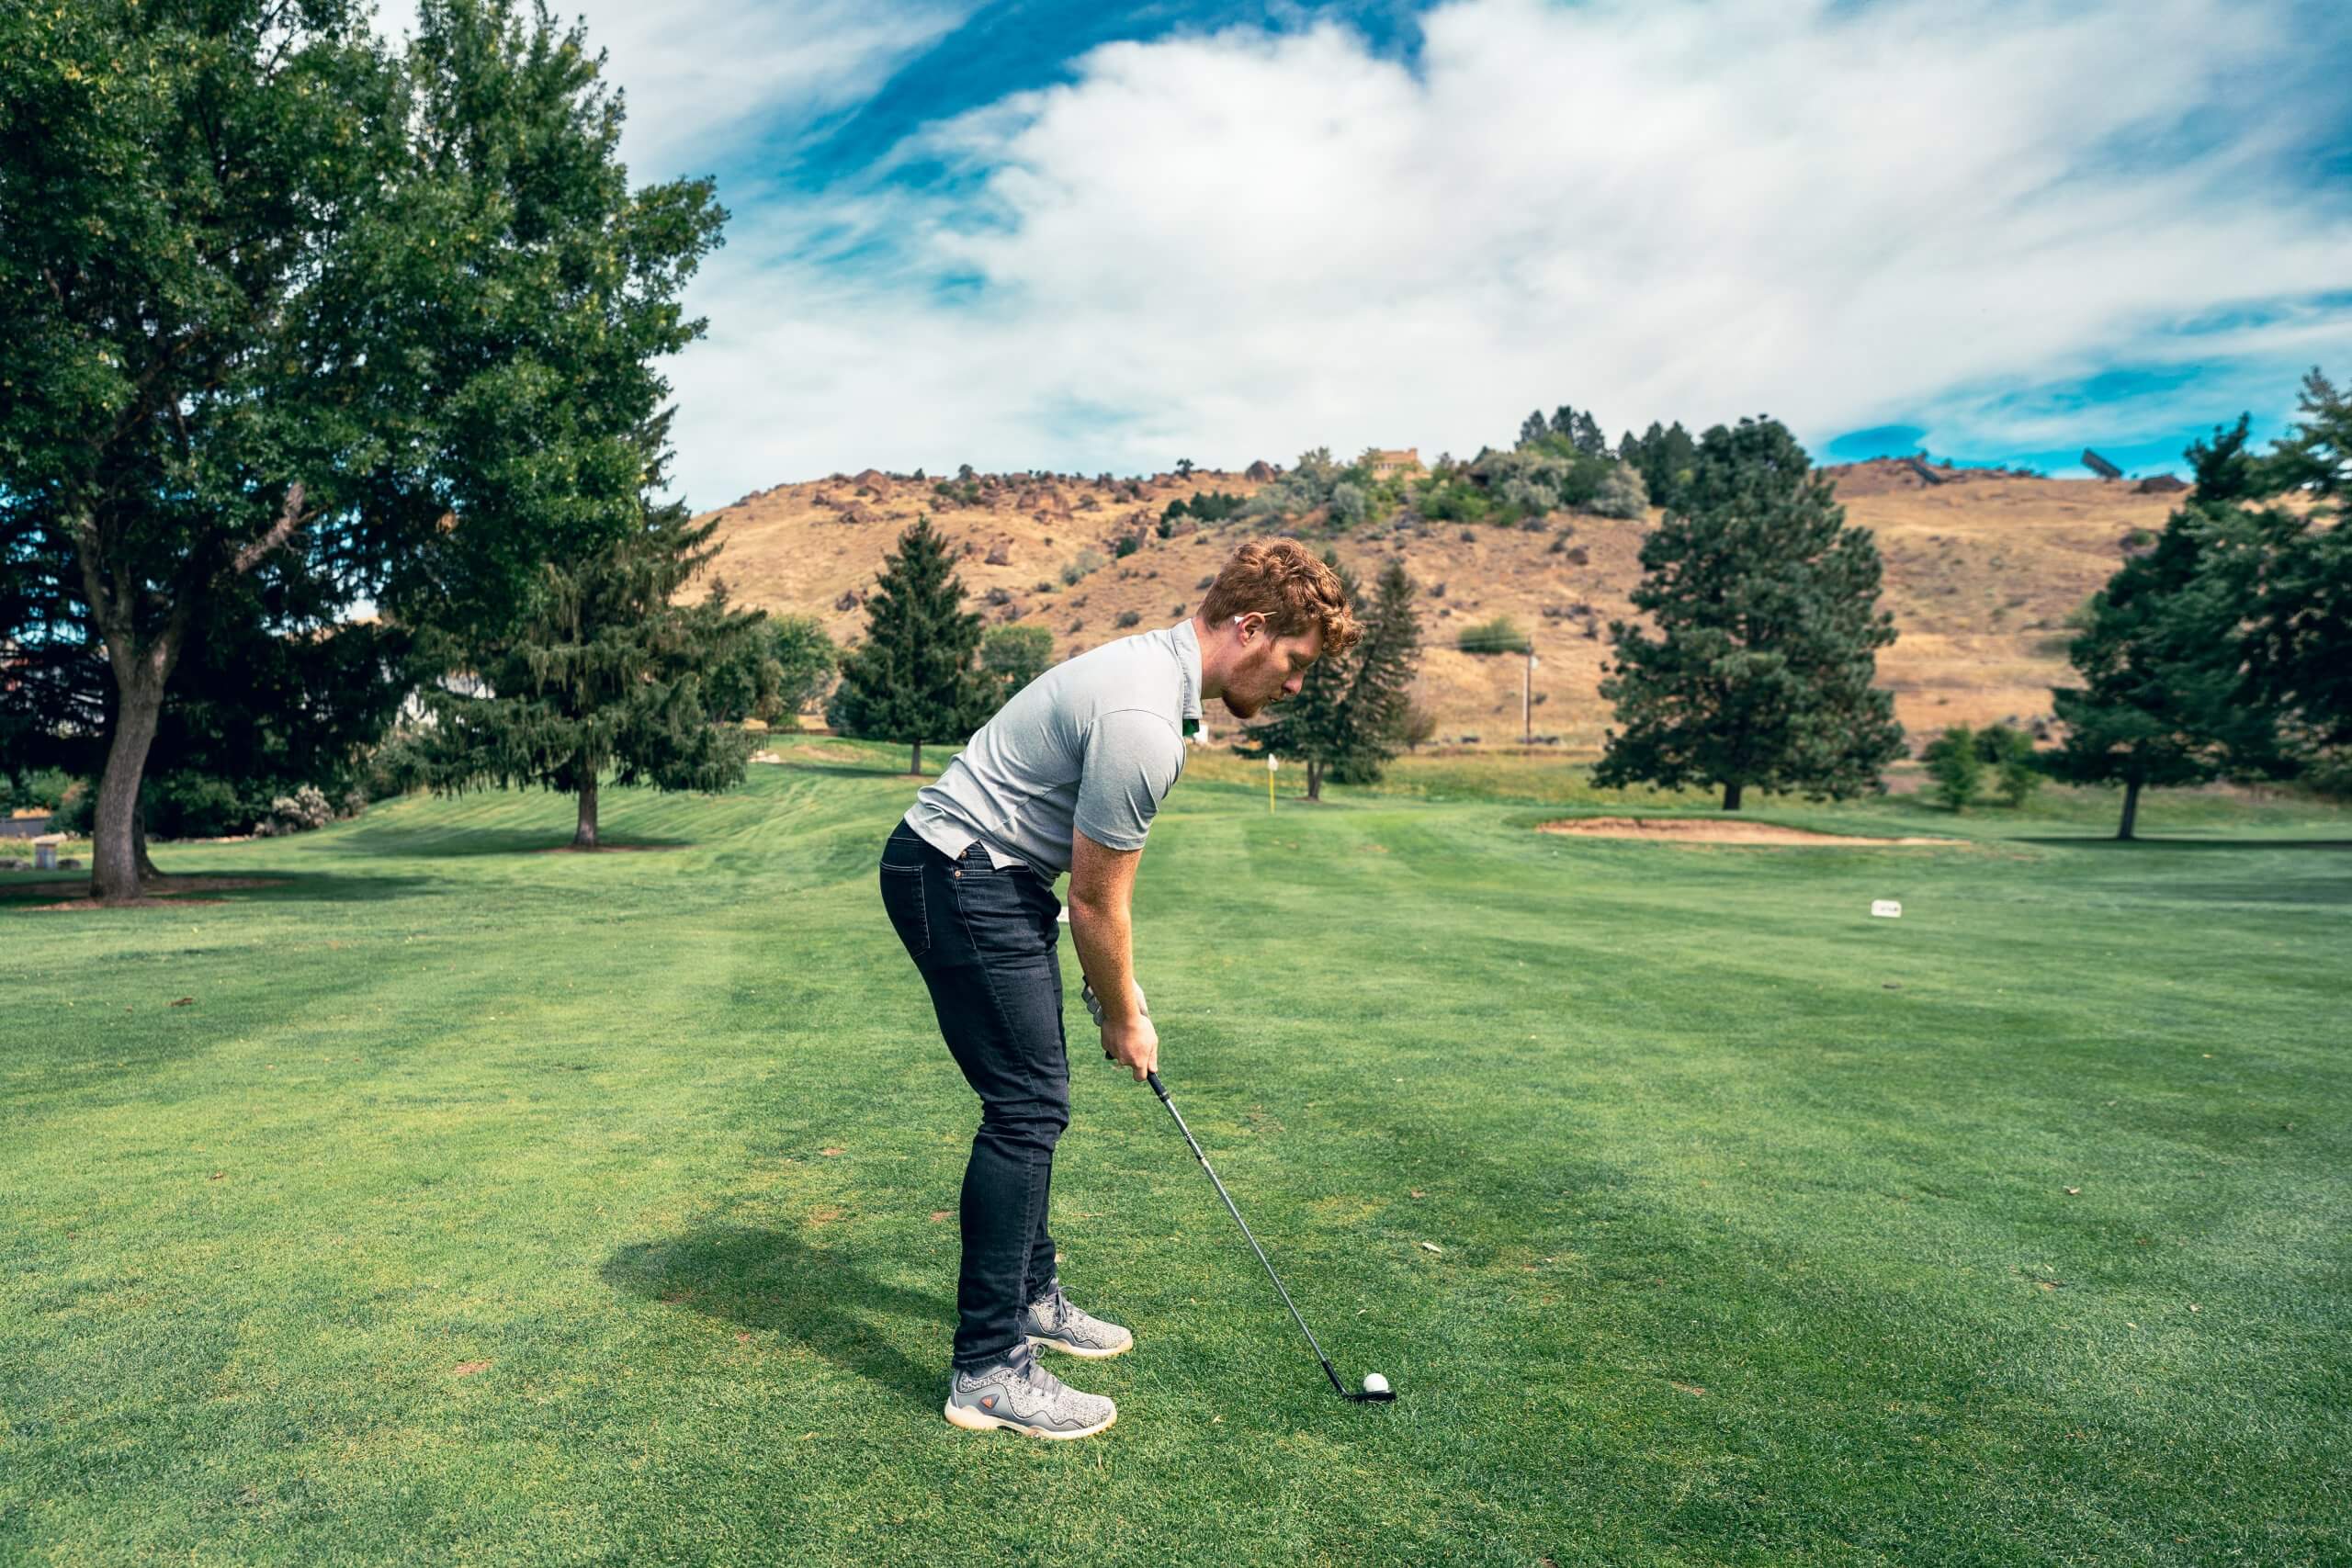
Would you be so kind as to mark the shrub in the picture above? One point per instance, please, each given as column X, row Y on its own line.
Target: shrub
column 1349, row 503
column 1124, row 548
column 1016, row 655
column 77, row 811
column 1081, row 565
column 1622, row 493
column 304, row 811
column 1127, row 618
column 1498, row 636
column 2009, row 753
column 1953, row 767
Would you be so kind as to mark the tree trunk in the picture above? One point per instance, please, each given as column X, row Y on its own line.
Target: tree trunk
column 915, row 767
column 147, row 872
column 2131, row 808
column 1731, row 794
column 116, row 844
column 584, row 836
column 1314, row 780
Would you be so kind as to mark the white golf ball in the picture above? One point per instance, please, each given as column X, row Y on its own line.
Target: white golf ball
column 1375, row 1383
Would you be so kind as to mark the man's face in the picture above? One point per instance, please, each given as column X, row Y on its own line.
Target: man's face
column 1270, row 669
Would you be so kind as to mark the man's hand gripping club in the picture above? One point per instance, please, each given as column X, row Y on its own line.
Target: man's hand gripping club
column 1101, row 881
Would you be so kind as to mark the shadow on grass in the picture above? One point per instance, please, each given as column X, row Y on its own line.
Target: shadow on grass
column 2111, row 843
column 404, row 843
column 850, row 771
column 776, row 1282
column 258, row 886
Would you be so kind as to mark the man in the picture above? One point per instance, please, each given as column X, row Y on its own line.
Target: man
column 1066, row 777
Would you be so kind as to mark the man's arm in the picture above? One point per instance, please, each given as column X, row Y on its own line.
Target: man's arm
column 1101, row 882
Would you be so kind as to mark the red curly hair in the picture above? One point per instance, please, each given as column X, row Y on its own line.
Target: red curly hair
column 1282, row 581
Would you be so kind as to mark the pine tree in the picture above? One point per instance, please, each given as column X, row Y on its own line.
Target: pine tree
column 1384, row 662
column 1766, row 606
column 1313, row 726
column 913, row 679
column 2300, row 603
column 1665, row 458
column 1533, row 428
column 605, row 672
column 2163, row 702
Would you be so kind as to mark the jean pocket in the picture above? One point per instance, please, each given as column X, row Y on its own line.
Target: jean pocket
column 902, row 899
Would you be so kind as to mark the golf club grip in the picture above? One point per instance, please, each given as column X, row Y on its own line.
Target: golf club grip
column 1157, row 1087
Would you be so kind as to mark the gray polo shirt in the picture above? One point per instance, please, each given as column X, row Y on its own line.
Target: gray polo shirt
column 1092, row 745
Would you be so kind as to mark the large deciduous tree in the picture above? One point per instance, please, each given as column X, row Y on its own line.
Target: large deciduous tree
column 913, row 679
column 280, row 303
column 1767, row 631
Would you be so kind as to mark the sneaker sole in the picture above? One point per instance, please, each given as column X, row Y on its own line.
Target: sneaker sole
column 980, row 1421
column 1087, row 1352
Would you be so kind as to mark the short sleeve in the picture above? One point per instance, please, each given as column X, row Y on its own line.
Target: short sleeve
column 1132, row 757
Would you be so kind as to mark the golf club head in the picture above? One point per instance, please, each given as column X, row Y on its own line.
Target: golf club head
column 1374, row 1396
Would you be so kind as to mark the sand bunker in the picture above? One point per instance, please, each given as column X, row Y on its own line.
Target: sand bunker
column 1711, row 830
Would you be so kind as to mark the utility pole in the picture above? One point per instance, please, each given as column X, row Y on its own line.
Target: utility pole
column 1527, row 700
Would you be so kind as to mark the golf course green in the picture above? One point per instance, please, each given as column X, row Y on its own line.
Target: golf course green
column 443, row 1199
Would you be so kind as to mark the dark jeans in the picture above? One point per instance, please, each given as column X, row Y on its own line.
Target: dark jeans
column 985, row 941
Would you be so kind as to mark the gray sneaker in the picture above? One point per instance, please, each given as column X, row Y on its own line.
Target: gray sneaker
column 1050, row 1320
column 1019, row 1394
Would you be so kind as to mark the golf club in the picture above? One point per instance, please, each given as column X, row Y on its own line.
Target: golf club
column 1375, row 1389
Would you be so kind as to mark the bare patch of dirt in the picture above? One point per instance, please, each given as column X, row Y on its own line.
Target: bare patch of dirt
column 1706, row 830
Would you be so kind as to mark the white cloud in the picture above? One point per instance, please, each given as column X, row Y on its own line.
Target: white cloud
column 699, row 74
column 1242, row 244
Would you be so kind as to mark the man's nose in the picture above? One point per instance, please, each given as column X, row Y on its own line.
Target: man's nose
column 1295, row 685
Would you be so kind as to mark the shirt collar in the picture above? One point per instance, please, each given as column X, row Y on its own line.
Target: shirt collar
column 1188, row 664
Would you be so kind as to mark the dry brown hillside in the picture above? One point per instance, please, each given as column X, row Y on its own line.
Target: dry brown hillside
column 1981, row 570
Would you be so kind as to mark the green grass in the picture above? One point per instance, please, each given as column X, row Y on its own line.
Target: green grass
column 2009, row 1231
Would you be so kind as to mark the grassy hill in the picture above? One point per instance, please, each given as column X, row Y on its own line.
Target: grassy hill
column 1982, row 571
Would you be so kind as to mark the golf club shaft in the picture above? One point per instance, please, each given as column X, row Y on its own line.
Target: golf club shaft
column 1161, row 1090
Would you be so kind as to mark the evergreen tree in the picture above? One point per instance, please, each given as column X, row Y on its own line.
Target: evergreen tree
column 2162, row 700
column 1766, row 605
column 1533, row 428
column 1383, row 665
column 913, row 679
column 2299, row 602
column 1665, row 457
column 605, row 672
column 1314, row 726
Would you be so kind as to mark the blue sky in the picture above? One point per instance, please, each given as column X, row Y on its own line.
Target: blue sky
column 1086, row 236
